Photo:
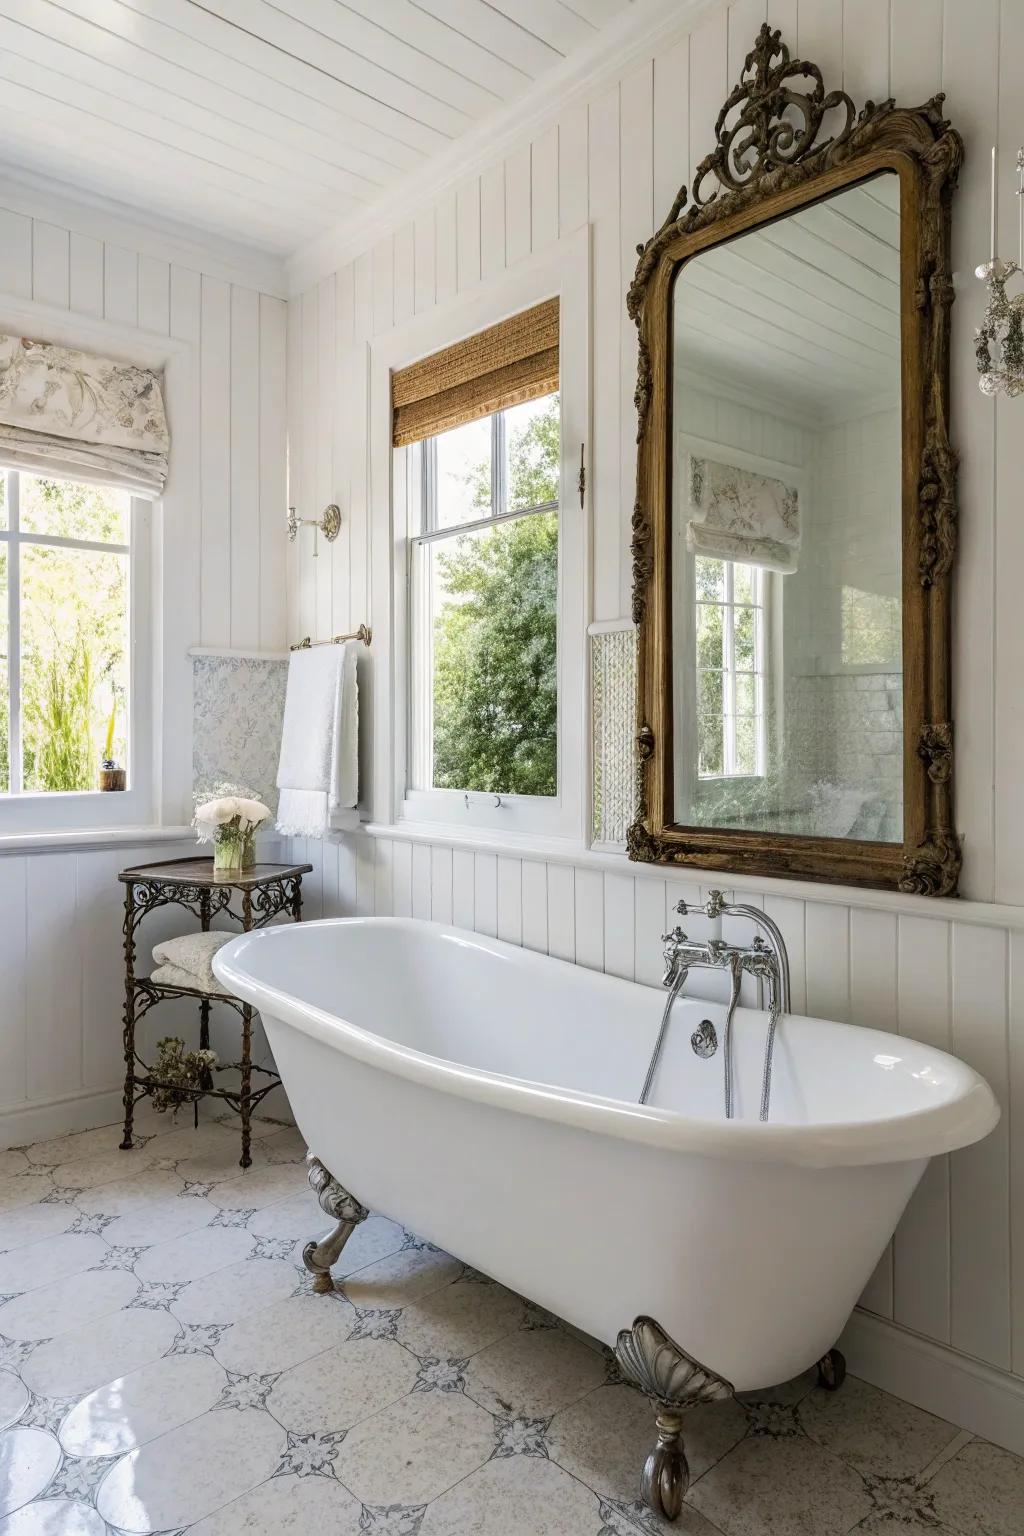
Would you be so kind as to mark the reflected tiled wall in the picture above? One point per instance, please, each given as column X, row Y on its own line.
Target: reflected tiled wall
column 613, row 681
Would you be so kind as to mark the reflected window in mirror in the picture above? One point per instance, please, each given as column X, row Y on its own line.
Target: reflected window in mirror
column 731, row 667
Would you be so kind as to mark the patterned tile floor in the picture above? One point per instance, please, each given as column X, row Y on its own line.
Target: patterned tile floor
column 164, row 1366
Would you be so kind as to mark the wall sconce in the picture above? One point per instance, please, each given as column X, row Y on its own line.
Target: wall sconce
column 329, row 525
column 999, row 340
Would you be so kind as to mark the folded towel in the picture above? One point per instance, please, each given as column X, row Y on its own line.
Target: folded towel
column 318, row 774
column 174, row 976
column 192, row 954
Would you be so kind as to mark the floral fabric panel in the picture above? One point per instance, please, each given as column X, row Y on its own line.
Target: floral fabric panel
column 91, row 418
column 739, row 515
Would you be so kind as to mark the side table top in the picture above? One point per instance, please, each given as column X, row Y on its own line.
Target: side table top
column 200, row 871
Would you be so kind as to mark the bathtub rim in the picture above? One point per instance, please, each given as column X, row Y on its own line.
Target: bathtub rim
column 957, row 1122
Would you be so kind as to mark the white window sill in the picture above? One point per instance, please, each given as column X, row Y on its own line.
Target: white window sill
column 91, row 837
column 481, row 839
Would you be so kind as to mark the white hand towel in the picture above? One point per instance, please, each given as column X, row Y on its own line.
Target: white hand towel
column 174, row 976
column 192, row 954
column 318, row 774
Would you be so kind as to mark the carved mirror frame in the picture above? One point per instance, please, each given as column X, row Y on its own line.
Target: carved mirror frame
column 767, row 162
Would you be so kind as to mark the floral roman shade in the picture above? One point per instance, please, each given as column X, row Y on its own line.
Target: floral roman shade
column 90, row 418
column 738, row 515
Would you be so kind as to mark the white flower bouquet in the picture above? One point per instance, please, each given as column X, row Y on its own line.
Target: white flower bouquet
column 230, row 820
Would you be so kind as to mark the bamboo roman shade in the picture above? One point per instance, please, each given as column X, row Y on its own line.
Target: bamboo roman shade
column 502, row 366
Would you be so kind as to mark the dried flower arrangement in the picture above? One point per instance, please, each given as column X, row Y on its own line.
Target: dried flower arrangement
column 178, row 1074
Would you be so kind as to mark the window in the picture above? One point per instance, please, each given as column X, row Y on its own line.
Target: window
column 484, row 605
column 66, row 598
column 731, row 667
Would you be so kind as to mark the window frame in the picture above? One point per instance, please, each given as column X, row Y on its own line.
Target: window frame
column 425, row 532
column 64, row 811
column 683, row 619
column 562, row 270
column 761, row 603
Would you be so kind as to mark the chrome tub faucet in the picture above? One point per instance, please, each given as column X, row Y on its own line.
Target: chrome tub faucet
column 767, row 961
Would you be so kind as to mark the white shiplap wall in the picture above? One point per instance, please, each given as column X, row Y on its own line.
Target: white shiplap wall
column 231, row 452
column 955, row 1272
column 60, row 913
column 617, row 160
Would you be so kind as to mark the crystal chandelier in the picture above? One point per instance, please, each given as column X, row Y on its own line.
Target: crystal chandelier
column 999, row 340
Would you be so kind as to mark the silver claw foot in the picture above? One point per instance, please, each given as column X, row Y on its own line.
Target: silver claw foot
column 832, row 1370
column 336, row 1202
column 655, row 1363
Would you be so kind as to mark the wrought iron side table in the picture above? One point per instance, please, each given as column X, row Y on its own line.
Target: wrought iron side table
column 267, row 891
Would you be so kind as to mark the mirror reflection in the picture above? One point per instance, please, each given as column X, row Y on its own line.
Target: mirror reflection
column 786, row 525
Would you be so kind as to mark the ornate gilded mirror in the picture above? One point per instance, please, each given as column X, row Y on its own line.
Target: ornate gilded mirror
column 795, row 521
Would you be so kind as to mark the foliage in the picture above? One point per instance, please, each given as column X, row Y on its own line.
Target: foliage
column 178, row 1074
column 56, row 718
column 495, row 635
column 74, row 606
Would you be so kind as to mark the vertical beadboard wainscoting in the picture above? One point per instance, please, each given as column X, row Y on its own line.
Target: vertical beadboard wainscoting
column 62, row 987
column 942, row 1321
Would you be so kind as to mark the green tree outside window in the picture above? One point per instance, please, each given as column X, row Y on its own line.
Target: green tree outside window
column 495, row 689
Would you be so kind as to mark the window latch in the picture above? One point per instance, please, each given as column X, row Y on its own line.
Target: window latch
column 581, row 478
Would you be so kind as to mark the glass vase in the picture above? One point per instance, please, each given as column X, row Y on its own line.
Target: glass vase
column 234, row 850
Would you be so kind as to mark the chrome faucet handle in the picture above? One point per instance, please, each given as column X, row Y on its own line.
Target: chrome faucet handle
column 713, row 907
column 672, row 943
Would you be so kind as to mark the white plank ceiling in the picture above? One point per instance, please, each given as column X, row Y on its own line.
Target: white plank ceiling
column 804, row 313
column 268, row 121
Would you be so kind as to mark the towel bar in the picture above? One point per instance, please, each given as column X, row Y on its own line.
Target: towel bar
column 363, row 633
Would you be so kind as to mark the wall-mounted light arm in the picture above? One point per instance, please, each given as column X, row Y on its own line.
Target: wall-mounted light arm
column 329, row 525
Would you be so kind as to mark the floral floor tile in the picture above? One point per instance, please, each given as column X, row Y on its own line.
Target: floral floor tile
column 54, row 1517
column 134, row 1409
column 182, row 1476
column 287, row 1506
column 165, row 1367
column 874, row 1431
column 789, row 1487
column 981, row 1491
column 534, row 1372
column 511, row 1497
column 411, row 1452
column 338, row 1388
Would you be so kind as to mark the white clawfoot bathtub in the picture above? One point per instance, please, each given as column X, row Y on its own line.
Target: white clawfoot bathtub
column 485, row 1097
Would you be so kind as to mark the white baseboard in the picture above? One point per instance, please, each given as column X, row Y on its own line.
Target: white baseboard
column 90, row 1107
column 79, row 1111
column 956, row 1387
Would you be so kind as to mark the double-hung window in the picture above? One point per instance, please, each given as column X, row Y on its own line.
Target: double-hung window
column 732, row 650
column 66, row 652
column 482, row 578
column 484, row 606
